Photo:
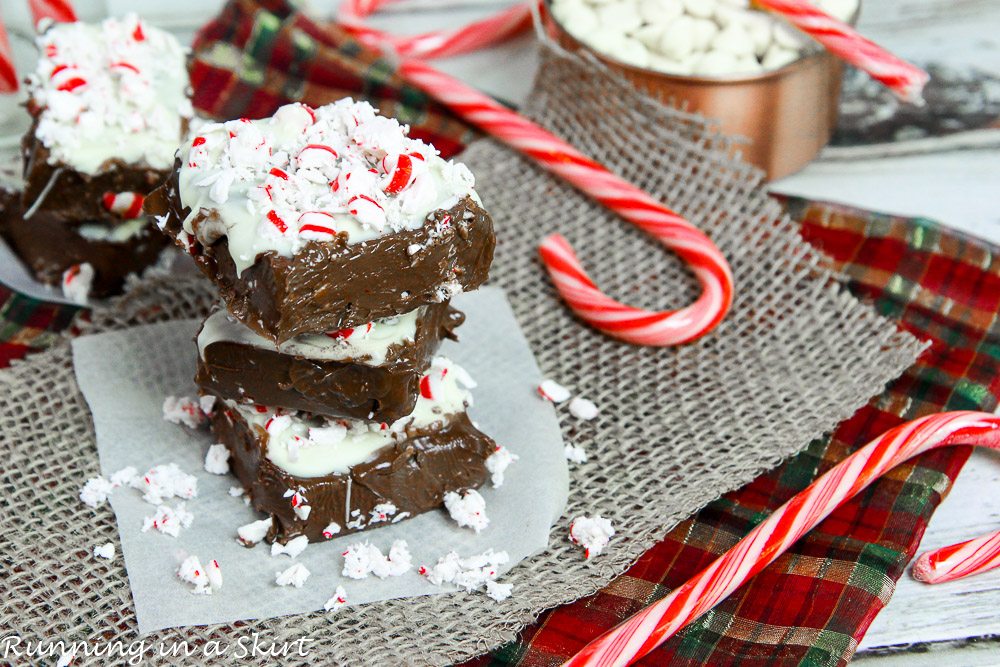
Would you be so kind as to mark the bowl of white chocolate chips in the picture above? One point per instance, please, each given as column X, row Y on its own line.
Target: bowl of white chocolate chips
column 750, row 70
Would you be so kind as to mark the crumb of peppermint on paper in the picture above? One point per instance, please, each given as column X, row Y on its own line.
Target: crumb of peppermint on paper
column 183, row 410
column 575, row 454
column 584, row 409
column 295, row 575
column 106, row 551
column 77, row 281
column 591, row 533
column 338, row 601
column 252, row 533
column 331, row 529
column 165, row 481
column 217, row 459
column 236, row 491
column 204, row 580
column 497, row 464
column 551, row 390
column 467, row 509
column 168, row 520
column 471, row 573
column 96, row 491
column 363, row 558
column 292, row 548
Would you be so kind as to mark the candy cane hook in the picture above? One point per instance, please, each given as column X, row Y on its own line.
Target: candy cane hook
column 646, row 630
column 633, row 325
column 958, row 561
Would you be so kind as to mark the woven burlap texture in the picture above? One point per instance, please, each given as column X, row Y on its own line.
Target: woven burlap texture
column 677, row 427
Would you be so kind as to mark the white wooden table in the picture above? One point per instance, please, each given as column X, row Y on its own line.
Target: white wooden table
column 950, row 624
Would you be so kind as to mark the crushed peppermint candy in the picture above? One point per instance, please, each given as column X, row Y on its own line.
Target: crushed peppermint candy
column 382, row 512
column 469, row 573
column 183, row 410
column 338, row 601
column 575, row 454
column 295, row 575
column 110, row 90
column 591, row 533
column 106, row 551
column 168, row 520
column 205, row 580
column 207, row 404
column 95, row 491
column 498, row 591
column 217, row 459
column 362, row 559
column 332, row 529
column 551, row 390
column 497, row 464
column 312, row 175
column 77, row 282
column 252, row 533
column 236, row 491
column 581, row 408
column 292, row 548
column 467, row 509
column 163, row 482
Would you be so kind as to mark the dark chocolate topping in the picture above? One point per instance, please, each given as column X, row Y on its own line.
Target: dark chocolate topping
column 413, row 474
column 344, row 388
column 331, row 285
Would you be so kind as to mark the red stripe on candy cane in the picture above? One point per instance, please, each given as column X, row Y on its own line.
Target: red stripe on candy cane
column 8, row 75
column 640, row 634
column 60, row 11
column 958, row 561
column 905, row 80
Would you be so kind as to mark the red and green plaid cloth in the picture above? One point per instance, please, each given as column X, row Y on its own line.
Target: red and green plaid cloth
column 814, row 604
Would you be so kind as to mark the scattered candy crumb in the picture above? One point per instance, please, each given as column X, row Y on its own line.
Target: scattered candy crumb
column 205, row 580
column 332, row 529
column 382, row 512
column 551, row 390
column 338, row 601
column 295, row 575
column 468, row 509
column 206, row 403
column 498, row 462
column 591, row 533
column 217, row 460
column 96, row 491
column 106, row 551
column 470, row 573
column 292, row 548
column 252, row 533
column 575, row 454
column 168, row 520
column 77, row 281
column 165, row 481
column 581, row 408
column 363, row 558
column 236, row 491
column 183, row 410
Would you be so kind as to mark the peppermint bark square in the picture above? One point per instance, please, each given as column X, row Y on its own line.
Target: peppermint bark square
column 371, row 372
column 320, row 477
column 110, row 106
column 316, row 220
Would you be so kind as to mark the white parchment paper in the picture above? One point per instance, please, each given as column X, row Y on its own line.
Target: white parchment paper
column 125, row 376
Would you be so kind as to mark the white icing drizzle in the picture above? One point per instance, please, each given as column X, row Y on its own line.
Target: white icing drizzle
column 367, row 344
column 308, row 174
column 116, row 89
column 291, row 449
column 114, row 234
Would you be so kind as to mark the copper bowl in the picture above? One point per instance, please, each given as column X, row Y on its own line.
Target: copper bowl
column 788, row 114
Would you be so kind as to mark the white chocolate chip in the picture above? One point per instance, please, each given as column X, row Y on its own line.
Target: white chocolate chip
column 678, row 39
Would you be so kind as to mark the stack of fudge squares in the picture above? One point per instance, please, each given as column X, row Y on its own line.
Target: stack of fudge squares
column 109, row 104
column 336, row 242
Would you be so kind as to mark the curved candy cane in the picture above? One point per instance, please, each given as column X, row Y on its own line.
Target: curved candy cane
column 555, row 155
column 649, row 628
column 60, row 11
column 961, row 560
column 8, row 74
column 901, row 77
column 476, row 35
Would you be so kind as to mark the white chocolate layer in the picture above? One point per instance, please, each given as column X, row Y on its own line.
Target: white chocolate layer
column 117, row 89
column 368, row 344
column 311, row 174
column 310, row 446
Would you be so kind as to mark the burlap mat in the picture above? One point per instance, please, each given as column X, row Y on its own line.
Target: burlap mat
column 678, row 427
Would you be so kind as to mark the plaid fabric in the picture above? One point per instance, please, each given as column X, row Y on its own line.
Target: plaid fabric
column 259, row 54
column 814, row 604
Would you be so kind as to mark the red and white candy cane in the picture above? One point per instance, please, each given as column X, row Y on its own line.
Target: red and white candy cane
column 8, row 74
column 901, row 77
column 60, row 11
column 128, row 205
column 630, row 324
column 649, row 628
column 961, row 560
column 476, row 35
